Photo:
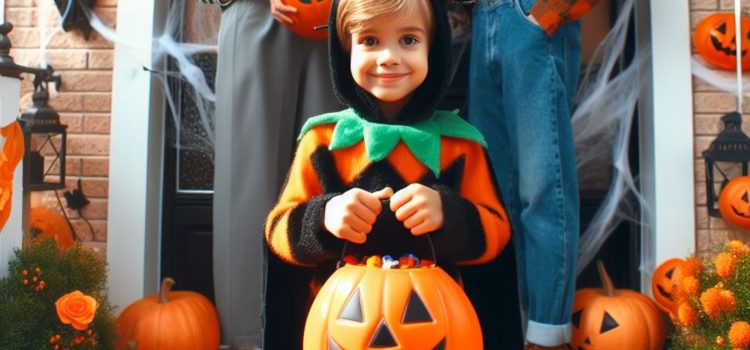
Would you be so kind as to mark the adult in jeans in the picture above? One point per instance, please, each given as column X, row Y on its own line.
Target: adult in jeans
column 525, row 62
column 268, row 82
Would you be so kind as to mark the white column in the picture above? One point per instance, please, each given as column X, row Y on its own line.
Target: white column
column 135, row 173
column 11, row 234
column 666, row 135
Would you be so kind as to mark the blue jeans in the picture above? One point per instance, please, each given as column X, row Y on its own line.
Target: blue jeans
column 522, row 82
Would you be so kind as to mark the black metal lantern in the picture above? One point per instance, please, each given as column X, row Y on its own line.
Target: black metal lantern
column 45, row 140
column 729, row 152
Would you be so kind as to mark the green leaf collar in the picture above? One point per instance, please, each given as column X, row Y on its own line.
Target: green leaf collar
column 422, row 138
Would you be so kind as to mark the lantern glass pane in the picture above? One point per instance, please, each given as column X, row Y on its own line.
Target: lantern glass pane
column 47, row 161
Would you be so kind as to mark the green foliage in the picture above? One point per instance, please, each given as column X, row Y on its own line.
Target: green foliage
column 38, row 276
column 712, row 333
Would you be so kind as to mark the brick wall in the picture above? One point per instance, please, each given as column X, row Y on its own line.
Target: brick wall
column 709, row 104
column 83, row 101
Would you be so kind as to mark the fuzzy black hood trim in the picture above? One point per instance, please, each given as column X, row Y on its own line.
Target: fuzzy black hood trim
column 423, row 101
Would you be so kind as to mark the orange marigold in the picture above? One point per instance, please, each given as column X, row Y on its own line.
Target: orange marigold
column 738, row 247
column 690, row 286
column 717, row 300
column 726, row 264
column 739, row 334
column 719, row 340
column 686, row 314
column 692, row 267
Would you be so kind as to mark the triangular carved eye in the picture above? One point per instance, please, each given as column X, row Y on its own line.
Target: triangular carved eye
column 332, row 344
column 669, row 273
column 353, row 309
column 722, row 28
column 415, row 311
column 576, row 318
column 608, row 323
column 440, row 346
column 383, row 337
column 745, row 199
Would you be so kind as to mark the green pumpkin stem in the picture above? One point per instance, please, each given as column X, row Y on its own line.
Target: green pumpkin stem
column 607, row 286
column 166, row 288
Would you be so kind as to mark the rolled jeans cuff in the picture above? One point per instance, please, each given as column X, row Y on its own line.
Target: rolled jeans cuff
column 548, row 334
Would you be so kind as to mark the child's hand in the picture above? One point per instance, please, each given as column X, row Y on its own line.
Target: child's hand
column 419, row 208
column 350, row 216
column 280, row 11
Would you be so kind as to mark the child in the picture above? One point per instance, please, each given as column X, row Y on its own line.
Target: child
column 390, row 169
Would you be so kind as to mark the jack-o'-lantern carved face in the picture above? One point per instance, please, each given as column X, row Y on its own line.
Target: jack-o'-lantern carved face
column 715, row 39
column 665, row 281
column 610, row 318
column 734, row 202
column 361, row 307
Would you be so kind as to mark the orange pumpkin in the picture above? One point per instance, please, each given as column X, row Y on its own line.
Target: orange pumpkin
column 610, row 318
column 310, row 14
column 361, row 307
column 47, row 223
column 714, row 39
column 664, row 283
column 169, row 321
column 734, row 203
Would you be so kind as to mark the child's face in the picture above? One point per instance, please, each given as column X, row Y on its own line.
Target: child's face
column 389, row 60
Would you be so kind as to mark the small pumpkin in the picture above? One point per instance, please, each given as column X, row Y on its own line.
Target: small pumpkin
column 310, row 14
column 361, row 307
column 610, row 318
column 47, row 223
column 715, row 40
column 169, row 321
column 665, row 281
column 734, row 201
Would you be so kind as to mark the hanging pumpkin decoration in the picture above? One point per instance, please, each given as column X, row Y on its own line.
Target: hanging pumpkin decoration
column 169, row 321
column 715, row 40
column 664, row 283
column 367, row 307
column 734, row 201
column 310, row 14
column 47, row 223
column 610, row 318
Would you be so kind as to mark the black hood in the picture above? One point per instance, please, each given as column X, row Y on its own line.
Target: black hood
column 424, row 100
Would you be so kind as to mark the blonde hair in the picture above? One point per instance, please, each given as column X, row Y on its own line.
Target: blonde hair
column 357, row 15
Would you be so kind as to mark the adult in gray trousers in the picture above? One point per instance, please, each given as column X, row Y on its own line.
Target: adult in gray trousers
column 268, row 82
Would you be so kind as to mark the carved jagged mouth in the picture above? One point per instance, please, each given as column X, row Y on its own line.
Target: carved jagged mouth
column 738, row 213
column 333, row 346
column 664, row 292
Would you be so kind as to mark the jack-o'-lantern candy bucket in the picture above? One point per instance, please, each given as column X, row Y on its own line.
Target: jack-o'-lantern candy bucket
column 376, row 305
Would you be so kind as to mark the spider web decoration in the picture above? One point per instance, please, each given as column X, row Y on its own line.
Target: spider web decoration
column 74, row 14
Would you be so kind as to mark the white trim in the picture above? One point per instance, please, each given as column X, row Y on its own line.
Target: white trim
column 11, row 234
column 2, row 11
column 666, row 135
column 135, row 167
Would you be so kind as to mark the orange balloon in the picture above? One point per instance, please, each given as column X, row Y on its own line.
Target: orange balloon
column 310, row 14
column 714, row 39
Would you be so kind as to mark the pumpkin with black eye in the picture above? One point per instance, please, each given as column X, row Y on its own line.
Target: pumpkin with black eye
column 362, row 307
column 734, row 201
column 715, row 40
column 310, row 14
column 610, row 318
column 664, row 283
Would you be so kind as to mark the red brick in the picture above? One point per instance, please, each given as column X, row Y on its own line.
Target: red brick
column 74, row 39
column 95, row 166
column 96, row 123
column 67, row 102
column 88, row 145
column 97, row 102
column 21, row 17
column 86, row 81
column 95, row 187
column 97, row 209
column 82, row 230
column 74, row 122
column 107, row 15
column 59, row 59
column 106, row 3
column 72, row 166
column 101, row 59
column 19, row 3
column 24, row 38
column 710, row 102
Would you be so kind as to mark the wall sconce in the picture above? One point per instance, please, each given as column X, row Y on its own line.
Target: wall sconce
column 731, row 148
column 45, row 138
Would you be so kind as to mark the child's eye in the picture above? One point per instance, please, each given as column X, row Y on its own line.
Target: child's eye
column 369, row 41
column 409, row 40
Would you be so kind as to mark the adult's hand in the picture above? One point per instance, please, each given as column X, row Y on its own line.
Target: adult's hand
column 279, row 11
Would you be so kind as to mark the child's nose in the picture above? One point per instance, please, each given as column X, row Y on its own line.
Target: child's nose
column 388, row 57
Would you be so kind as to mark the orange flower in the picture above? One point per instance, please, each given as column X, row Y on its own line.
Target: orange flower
column 738, row 247
column 686, row 314
column 719, row 340
column 739, row 334
column 726, row 264
column 716, row 300
column 76, row 309
column 690, row 286
column 692, row 267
